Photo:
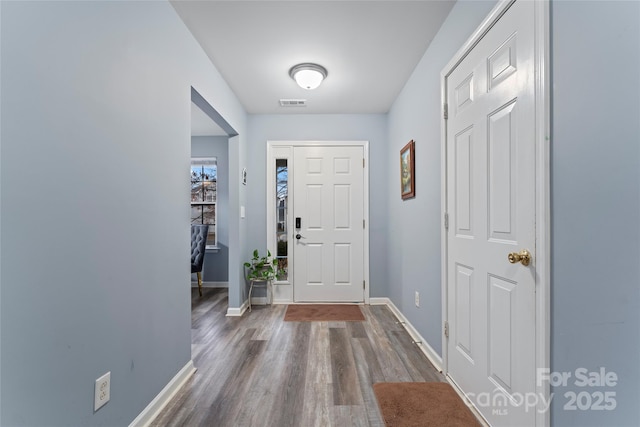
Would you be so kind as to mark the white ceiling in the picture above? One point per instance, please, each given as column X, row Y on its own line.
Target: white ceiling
column 369, row 48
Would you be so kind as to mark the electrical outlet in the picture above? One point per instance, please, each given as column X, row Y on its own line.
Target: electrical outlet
column 103, row 391
column 417, row 299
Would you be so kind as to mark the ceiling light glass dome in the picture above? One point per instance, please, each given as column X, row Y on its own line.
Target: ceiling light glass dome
column 307, row 75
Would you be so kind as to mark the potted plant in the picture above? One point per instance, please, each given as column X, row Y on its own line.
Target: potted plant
column 261, row 268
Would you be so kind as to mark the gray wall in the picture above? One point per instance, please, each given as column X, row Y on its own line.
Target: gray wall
column 95, row 137
column 216, row 264
column 0, row 227
column 596, row 203
column 414, row 225
column 325, row 127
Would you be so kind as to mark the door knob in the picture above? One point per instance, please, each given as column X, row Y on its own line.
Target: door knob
column 524, row 257
column 299, row 236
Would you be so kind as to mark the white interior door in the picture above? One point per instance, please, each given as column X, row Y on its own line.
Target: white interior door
column 328, row 197
column 491, row 206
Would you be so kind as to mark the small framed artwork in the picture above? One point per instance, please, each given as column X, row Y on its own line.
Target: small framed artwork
column 244, row 176
column 407, row 171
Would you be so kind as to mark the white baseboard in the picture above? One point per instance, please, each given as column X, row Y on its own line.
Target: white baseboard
column 379, row 301
column 423, row 345
column 211, row 284
column 152, row 410
column 236, row 312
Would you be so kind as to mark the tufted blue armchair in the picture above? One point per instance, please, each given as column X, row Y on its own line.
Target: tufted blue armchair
column 198, row 243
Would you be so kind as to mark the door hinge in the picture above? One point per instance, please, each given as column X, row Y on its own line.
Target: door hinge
column 364, row 285
column 446, row 220
column 445, row 111
column 363, row 224
column 363, row 162
column 446, row 329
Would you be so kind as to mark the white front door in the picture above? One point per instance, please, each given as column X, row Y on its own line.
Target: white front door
column 328, row 200
column 491, row 206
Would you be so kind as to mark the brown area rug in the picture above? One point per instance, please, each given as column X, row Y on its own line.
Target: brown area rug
column 323, row 313
column 422, row 405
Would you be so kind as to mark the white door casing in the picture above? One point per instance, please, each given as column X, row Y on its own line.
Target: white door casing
column 284, row 289
column 492, row 195
column 328, row 192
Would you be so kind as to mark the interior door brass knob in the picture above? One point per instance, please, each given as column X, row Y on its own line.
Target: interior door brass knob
column 524, row 257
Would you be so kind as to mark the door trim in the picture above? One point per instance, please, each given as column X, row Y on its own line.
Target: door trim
column 542, row 180
column 283, row 291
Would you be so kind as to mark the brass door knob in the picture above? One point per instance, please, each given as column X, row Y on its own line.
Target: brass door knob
column 524, row 257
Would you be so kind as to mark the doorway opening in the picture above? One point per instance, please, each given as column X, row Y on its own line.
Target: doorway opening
column 210, row 138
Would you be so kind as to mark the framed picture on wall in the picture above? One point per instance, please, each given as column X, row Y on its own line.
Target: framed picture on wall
column 407, row 171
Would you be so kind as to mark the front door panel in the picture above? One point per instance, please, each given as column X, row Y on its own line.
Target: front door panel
column 328, row 187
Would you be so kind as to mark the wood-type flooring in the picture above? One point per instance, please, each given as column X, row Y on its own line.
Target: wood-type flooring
column 257, row 370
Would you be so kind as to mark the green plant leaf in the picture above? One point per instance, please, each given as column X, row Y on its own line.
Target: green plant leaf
column 261, row 267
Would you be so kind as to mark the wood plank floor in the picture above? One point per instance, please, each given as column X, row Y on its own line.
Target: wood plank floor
column 257, row 370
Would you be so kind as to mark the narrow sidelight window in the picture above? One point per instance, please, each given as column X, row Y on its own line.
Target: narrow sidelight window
column 282, row 237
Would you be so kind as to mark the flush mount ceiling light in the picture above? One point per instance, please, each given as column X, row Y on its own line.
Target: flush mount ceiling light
column 307, row 75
